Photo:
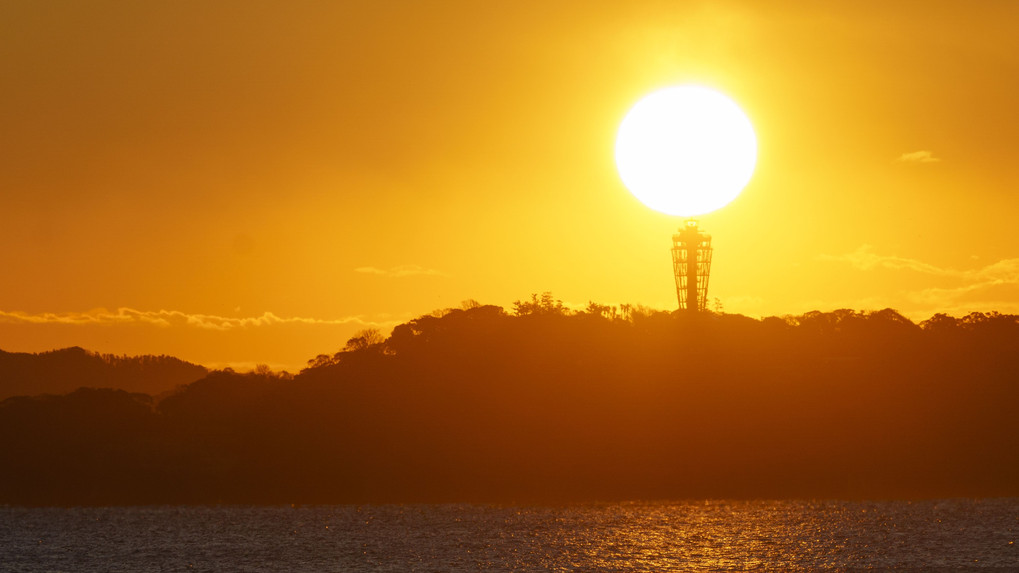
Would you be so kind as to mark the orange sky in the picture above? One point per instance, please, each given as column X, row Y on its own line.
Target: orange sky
column 251, row 182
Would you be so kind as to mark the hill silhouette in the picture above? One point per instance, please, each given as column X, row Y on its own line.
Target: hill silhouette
column 61, row 371
column 543, row 404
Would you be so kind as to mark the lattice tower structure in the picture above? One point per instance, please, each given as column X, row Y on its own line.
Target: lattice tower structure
column 691, row 262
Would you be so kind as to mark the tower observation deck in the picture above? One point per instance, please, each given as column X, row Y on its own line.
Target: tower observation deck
column 691, row 262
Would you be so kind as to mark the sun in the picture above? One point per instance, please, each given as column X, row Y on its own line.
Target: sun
column 686, row 150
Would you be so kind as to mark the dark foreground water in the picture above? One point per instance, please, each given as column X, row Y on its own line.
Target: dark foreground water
column 946, row 535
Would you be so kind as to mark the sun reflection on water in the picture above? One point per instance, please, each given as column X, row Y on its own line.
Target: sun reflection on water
column 723, row 535
column 627, row 537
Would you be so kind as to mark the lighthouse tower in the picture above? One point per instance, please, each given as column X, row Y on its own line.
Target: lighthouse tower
column 691, row 262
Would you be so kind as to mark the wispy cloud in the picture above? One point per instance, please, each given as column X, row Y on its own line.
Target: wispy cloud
column 922, row 156
column 400, row 271
column 863, row 258
column 169, row 318
column 993, row 286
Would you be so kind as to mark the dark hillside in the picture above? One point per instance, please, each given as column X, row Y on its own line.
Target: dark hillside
column 61, row 371
column 547, row 405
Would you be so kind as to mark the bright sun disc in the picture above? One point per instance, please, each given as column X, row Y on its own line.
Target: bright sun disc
column 686, row 150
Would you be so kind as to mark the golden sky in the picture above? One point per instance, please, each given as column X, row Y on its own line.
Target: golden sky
column 251, row 182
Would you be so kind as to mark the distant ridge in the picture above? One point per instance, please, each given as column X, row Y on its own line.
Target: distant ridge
column 64, row 370
column 552, row 405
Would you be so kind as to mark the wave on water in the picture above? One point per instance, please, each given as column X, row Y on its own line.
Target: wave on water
column 953, row 534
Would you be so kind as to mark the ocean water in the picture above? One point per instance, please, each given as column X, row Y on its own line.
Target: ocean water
column 949, row 535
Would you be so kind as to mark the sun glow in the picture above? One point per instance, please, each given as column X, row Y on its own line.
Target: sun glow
column 686, row 150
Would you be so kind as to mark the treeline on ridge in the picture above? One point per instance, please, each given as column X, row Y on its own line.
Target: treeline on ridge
column 543, row 404
column 64, row 370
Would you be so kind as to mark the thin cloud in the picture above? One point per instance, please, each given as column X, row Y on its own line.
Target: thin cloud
column 400, row 271
column 171, row 318
column 922, row 156
column 864, row 259
column 980, row 287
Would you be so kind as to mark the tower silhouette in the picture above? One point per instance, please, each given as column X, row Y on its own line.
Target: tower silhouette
column 691, row 262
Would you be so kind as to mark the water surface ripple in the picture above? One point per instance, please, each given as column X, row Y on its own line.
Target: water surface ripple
column 933, row 535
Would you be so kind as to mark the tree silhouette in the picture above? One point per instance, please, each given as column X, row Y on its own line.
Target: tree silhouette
column 544, row 305
column 364, row 339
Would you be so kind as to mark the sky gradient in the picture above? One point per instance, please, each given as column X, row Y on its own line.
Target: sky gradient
column 252, row 182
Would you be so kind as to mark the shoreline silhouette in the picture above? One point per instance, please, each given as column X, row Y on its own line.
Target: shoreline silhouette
column 544, row 404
